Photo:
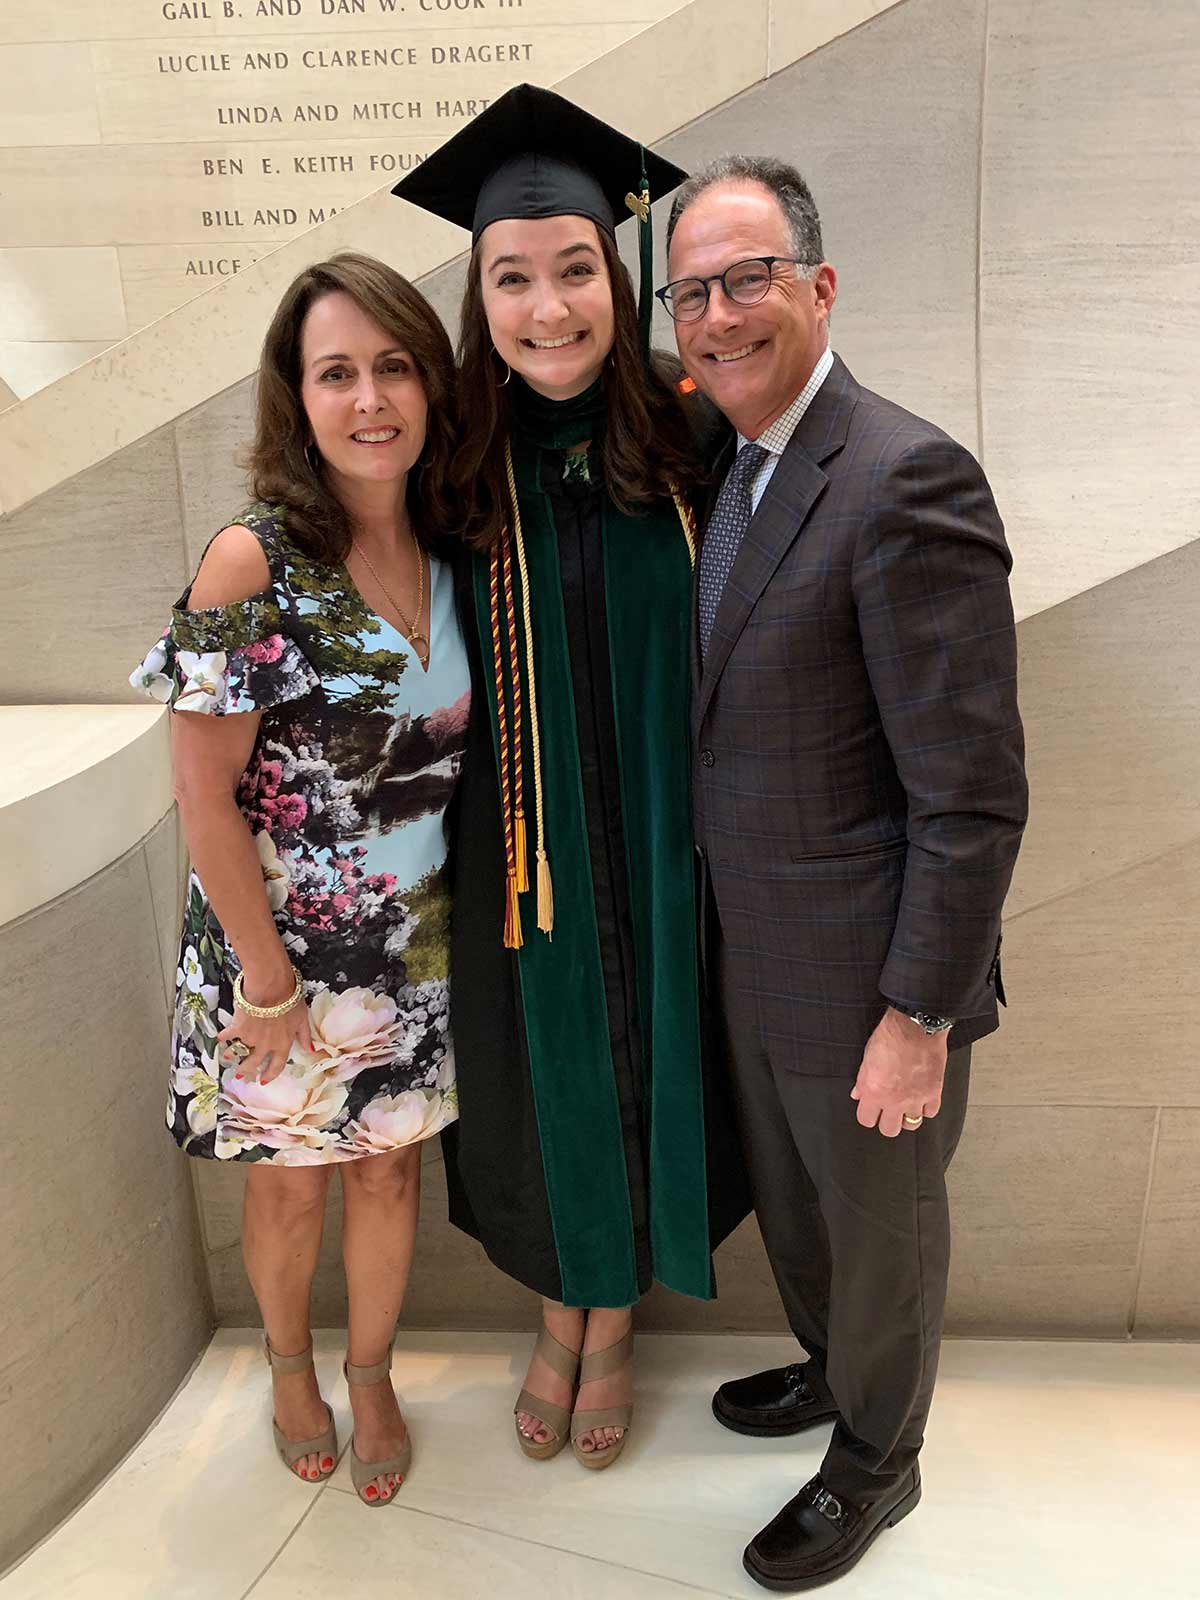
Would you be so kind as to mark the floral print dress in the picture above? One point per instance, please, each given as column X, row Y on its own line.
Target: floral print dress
column 355, row 761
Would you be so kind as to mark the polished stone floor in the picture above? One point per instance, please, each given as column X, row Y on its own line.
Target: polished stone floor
column 1053, row 1471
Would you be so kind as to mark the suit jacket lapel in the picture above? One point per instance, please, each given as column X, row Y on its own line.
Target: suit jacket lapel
column 794, row 489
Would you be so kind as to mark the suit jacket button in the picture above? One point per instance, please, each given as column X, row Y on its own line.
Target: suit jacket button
column 707, row 759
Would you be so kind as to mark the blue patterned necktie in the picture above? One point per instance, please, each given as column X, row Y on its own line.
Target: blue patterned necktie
column 723, row 536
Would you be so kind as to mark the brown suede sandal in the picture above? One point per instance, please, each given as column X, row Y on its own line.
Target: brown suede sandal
column 602, row 1364
column 290, row 1450
column 565, row 1363
column 364, row 1472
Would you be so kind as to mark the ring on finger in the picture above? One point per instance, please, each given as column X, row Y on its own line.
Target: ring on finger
column 911, row 1123
column 238, row 1049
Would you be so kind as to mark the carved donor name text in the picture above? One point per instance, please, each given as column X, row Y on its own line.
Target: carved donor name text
column 188, row 137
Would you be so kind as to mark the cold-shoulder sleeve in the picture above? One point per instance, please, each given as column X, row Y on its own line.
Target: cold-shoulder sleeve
column 227, row 659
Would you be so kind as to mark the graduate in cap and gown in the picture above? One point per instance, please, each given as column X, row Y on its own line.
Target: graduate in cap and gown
column 595, row 1151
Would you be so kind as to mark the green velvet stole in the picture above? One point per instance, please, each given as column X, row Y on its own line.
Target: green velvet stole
column 648, row 584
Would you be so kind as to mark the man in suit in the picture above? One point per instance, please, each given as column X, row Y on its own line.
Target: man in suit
column 860, row 797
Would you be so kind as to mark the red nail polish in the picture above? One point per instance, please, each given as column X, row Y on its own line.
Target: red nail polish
column 327, row 1463
column 372, row 1492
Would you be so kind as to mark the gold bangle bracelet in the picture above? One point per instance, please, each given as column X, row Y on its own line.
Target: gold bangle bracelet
column 239, row 999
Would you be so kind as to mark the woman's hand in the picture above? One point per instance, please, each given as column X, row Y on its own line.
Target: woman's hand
column 268, row 1039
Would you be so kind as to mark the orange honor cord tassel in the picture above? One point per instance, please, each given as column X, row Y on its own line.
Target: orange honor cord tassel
column 512, row 910
column 513, row 938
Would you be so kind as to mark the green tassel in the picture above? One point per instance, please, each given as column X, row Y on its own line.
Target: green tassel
column 645, row 261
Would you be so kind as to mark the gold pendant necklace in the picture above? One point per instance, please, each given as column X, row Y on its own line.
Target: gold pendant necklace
column 412, row 631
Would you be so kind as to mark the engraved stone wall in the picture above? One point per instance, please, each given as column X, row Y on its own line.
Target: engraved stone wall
column 151, row 148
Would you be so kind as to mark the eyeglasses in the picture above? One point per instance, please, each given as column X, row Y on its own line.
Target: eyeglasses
column 745, row 283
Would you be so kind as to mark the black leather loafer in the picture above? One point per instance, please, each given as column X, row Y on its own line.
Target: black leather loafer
column 817, row 1537
column 771, row 1404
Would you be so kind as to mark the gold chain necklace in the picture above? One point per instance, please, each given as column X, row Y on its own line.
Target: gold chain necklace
column 412, row 631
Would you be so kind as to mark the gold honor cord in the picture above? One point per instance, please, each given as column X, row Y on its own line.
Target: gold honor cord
column 545, row 888
column 687, row 522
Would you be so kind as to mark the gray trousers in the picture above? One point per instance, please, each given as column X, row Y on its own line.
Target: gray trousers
column 857, row 1230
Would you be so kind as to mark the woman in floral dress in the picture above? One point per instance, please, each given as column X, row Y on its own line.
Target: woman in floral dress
column 321, row 690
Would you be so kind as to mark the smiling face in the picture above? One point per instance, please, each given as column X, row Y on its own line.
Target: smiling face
column 751, row 361
column 362, row 395
column 548, row 301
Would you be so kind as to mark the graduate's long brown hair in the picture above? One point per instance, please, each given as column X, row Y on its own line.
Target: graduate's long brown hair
column 283, row 471
column 647, row 441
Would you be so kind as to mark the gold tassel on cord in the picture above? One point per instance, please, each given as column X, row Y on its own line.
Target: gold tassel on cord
column 545, row 895
column 545, row 888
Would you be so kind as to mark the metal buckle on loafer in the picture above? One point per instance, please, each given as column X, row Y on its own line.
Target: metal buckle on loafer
column 830, row 1507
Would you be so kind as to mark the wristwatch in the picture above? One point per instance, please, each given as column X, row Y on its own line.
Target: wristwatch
column 928, row 1021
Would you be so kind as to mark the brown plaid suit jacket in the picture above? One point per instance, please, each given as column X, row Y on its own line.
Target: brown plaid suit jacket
column 859, row 761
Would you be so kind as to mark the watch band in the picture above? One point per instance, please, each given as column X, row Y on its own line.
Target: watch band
column 929, row 1021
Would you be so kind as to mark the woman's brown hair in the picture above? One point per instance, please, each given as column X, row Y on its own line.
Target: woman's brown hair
column 647, row 446
column 280, row 469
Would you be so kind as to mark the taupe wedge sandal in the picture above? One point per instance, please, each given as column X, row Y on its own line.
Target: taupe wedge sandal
column 290, row 1450
column 364, row 1472
column 602, row 1364
column 565, row 1363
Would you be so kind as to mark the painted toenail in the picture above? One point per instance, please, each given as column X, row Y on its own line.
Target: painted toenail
column 372, row 1492
column 327, row 1463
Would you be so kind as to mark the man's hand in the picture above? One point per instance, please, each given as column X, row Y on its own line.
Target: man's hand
column 901, row 1074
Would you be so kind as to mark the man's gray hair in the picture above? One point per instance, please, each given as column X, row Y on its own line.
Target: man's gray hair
column 782, row 180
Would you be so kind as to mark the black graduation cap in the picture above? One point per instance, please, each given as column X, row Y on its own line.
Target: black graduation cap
column 534, row 154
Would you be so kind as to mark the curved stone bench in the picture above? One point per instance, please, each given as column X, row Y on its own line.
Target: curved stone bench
column 103, row 1301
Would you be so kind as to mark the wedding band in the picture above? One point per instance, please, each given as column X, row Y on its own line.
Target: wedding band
column 911, row 1122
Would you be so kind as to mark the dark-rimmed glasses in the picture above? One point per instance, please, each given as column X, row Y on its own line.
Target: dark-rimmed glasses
column 745, row 283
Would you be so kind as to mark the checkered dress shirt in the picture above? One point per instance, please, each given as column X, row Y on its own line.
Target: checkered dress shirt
column 778, row 436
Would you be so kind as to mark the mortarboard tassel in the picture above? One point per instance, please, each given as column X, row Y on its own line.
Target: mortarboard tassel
column 639, row 204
